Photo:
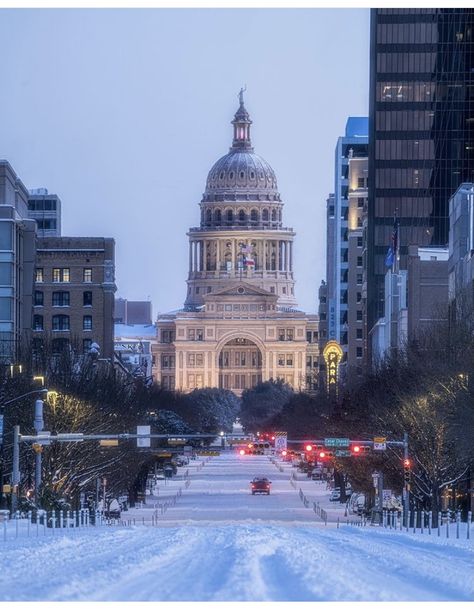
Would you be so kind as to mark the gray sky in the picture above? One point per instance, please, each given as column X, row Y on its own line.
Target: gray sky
column 122, row 113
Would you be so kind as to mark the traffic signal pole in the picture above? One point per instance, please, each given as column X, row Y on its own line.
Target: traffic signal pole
column 406, row 485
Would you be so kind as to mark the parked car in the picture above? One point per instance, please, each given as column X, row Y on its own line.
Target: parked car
column 260, row 484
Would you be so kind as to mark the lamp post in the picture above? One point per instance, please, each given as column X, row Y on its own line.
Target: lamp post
column 15, row 481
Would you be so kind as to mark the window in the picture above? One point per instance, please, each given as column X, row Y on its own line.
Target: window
column 359, row 262
column 289, row 359
column 87, row 298
column 359, row 241
column 38, row 323
column 309, row 336
column 360, row 202
column 359, row 316
column 59, row 345
column 281, row 360
column 359, row 297
column 359, row 351
column 86, row 345
column 39, row 297
column 167, row 336
column 87, row 275
column 39, row 276
column 87, row 322
column 60, row 275
column 281, row 335
column 168, row 361
column 290, row 334
column 359, row 333
column 60, row 323
column 360, row 182
column 359, row 279
column 60, row 298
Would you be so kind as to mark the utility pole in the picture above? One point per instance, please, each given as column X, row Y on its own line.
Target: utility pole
column 16, row 467
column 406, row 485
column 39, row 426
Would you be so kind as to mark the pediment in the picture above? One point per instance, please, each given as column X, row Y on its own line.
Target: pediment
column 241, row 289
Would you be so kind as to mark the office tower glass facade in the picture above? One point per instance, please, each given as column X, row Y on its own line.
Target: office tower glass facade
column 421, row 130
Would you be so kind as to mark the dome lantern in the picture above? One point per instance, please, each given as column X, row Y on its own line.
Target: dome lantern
column 241, row 123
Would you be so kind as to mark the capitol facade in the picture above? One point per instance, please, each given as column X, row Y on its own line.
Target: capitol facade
column 240, row 324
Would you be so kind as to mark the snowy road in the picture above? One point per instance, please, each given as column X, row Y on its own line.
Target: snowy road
column 219, row 543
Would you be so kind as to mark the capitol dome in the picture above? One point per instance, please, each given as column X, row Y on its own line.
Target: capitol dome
column 241, row 174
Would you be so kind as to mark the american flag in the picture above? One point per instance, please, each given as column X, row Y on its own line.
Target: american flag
column 393, row 248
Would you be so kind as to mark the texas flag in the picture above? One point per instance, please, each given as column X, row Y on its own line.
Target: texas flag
column 247, row 253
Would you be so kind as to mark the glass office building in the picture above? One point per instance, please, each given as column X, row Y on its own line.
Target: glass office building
column 421, row 131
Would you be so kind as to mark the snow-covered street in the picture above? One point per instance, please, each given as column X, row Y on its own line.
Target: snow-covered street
column 221, row 543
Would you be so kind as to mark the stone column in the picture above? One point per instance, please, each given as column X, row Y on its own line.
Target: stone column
column 190, row 256
column 218, row 256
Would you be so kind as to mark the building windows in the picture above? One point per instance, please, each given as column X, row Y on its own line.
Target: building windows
column 289, row 360
column 87, row 275
column 87, row 322
column 39, row 298
column 359, row 241
column 359, row 262
column 87, row 298
column 359, row 279
column 359, row 316
column 60, row 298
column 359, row 351
column 61, row 275
column 59, row 345
column 359, row 297
column 168, row 362
column 86, row 345
column 290, row 334
column 196, row 334
column 359, row 222
column 167, row 336
column 60, row 323
column 359, row 333
column 360, row 202
column 38, row 323
column 360, row 182
column 195, row 360
column 281, row 360
column 39, row 275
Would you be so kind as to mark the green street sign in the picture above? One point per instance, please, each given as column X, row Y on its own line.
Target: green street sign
column 343, row 453
column 336, row 441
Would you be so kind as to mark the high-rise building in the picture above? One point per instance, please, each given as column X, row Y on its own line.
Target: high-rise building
column 74, row 294
column 130, row 312
column 239, row 325
column 45, row 209
column 421, row 131
column 17, row 262
column 352, row 145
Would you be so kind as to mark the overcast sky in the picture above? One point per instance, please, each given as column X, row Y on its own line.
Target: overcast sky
column 122, row 113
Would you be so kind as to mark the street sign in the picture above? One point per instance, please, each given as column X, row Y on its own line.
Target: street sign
column 380, row 444
column 143, row 442
column 187, row 450
column 343, row 453
column 386, row 496
column 176, row 441
column 336, row 441
column 108, row 442
column 281, row 438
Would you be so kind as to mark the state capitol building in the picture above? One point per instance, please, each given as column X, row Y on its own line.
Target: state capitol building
column 239, row 324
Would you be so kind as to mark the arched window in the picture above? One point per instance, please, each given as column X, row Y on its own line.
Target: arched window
column 230, row 217
column 265, row 214
column 254, row 216
column 218, row 217
column 208, row 216
column 242, row 216
column 274, row 214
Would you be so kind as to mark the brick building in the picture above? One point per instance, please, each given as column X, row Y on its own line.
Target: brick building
column 74, row 293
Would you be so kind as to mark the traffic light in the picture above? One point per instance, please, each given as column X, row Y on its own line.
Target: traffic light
column 308, row 448
column 406, row 470
column 359, row 449
column 325, row 454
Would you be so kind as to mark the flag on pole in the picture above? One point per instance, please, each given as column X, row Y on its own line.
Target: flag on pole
column 393, row 248
column 247, row 253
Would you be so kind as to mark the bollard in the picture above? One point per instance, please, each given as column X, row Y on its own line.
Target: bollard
column 430, row 521
column 45, row 522
column 439, row 524
column 422, row 520
column 28, row 524
column 469, row 519
column 458, row 523
column 61, row 519
column 338, row 522
column 75, row 518
column 415, row 517
column 408, row 519
column 447, row 526
column 53, row 521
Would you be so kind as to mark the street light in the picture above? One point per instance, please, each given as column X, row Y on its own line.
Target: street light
column 38, row 422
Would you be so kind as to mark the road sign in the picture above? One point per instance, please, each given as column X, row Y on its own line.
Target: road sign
column 343, row 453
column 176, row 441
column 380, row 444
column 187, row 450
column 143, row 442
column 336, row 441
column 108, row 442
column 281, row 438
